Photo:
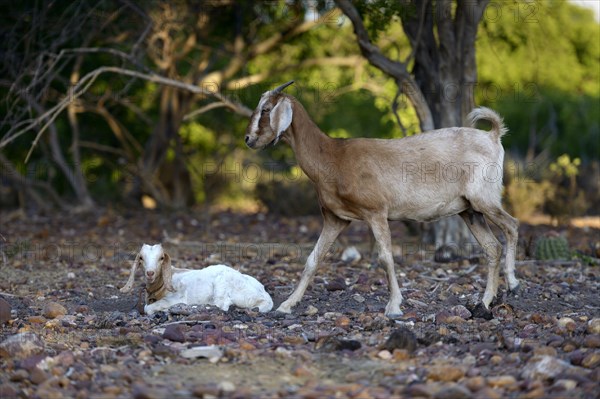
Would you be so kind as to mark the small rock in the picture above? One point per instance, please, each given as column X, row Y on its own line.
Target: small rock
column 212, row 353
column 565, row 384
column 453, row 391
column 53, row 309
column 591, row 360
column 358, row 298
column 419, row 391
column 507, row 382
column 5, row 310
column 475, row 383
column 301, row 371
column 226, row 387
column 592, row 341
column 337, row 284
column 401, row 354
column 593, row 326
column 174, row 333
column 548, row 367
column 19, row 375
column 342, row 321
column 21, row 345
column 401, row 338
column 37, row 376
column 311, row 310
column 488, row 393
column 36, row 319
column 7, row 391
column 544, row 351
column 445, row 373
column 461, row 311
column 385, row 354
column 351, row 255
column 142, row 391
column 330, row 343
column 567, row 323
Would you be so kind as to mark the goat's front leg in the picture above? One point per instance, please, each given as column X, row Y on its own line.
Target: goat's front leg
column 332, row 227
column 381, row 231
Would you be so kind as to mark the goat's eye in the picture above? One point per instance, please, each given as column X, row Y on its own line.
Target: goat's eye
column 162, row 257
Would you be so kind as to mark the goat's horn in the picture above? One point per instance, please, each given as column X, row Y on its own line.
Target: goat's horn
column 280, row 88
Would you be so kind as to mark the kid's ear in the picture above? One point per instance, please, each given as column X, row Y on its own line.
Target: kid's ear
column 129, row 284
column 167, row 272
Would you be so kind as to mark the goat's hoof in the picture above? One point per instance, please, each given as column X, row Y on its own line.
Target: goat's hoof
column 482, row 312
column 284, row 310
column 516, row 291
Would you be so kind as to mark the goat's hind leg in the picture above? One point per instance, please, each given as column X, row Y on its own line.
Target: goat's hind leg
column 492, row 248
column 332, row 227
column 510, row 228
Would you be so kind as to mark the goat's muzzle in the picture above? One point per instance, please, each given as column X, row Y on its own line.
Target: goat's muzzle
column 250, row 143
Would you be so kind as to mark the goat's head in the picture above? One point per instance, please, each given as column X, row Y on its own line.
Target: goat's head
column 271, row 118
column 157, row 267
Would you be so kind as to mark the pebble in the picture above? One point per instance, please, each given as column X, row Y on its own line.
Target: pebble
column 591, row 360
column 37, row 376
column 453, row 391
column 401, row 338
column 507, row 382
column 461, row 311
column 385, row 354
column 488, row 393
column 21, row 345
column 475, row 383
column 342, row 321
column 5, row 310
column 593, row 326
column 337, row 284
column 567, row 323
column 53, row 310
column 548, row 367
column 212, row 353
column 311, row 310
column 226, row 387
column 36, row 319
column 174, row 333
column 592, row 341
column 565, row 384
column 544, row 351
column 445, row 373
column 351, row 255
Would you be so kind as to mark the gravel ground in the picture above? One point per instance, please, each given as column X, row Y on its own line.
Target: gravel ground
column 67, row 331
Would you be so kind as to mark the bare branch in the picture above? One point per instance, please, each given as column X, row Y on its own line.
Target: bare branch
column 85, row 83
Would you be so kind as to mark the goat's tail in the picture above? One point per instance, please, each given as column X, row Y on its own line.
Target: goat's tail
column 486, row 114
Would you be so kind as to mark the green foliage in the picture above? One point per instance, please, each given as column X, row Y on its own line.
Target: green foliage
column 552, row 247
column 540, row 75
column 543, row 78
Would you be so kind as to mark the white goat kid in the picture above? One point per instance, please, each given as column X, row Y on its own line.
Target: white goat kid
column 217, row 285
column 423, row 177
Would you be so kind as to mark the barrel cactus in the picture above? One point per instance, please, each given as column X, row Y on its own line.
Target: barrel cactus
column 552, row 247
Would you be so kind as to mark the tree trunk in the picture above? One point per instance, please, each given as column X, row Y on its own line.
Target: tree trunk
column 443, row 77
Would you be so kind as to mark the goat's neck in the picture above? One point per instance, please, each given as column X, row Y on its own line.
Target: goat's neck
column 156, row 290
column 312, row 147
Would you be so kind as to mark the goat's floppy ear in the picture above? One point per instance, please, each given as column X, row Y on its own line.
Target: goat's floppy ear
column 129, row 284
column 167, row 272
column 281, row 117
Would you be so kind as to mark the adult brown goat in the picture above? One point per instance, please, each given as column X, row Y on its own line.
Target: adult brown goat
column 423, row 177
